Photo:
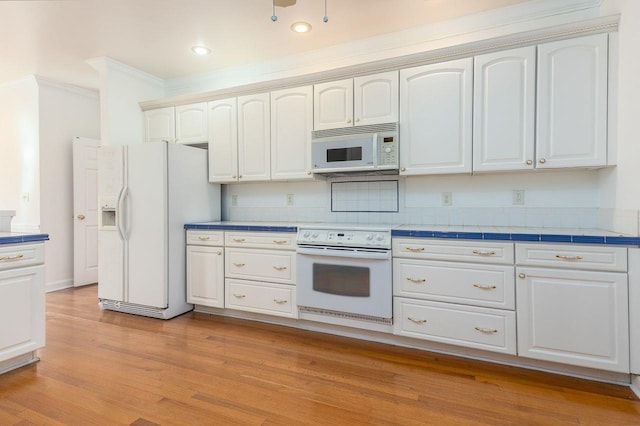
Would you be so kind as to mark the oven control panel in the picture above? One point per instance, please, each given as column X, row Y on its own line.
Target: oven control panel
column 345, row 237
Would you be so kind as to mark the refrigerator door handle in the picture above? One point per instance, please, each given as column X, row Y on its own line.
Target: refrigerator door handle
column 122, row 213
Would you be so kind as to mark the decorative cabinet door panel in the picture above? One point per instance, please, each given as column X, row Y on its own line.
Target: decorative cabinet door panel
column 223, row 140
column 160, row 125
column 191, row 123
column 333, row 104
column 254, row 130
column 376, row 98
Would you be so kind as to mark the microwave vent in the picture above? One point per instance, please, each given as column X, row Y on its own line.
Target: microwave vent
column 355, row 130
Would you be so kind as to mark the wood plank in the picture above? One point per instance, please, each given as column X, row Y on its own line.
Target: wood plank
column 103, row 367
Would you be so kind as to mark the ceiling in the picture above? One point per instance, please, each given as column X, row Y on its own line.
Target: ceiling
column 55, row 38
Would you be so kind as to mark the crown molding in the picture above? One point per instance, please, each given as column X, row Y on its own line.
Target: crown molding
column 90, row 93
column 104, row 64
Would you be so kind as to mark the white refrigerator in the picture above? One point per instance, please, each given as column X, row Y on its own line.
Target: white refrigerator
column 146, row 193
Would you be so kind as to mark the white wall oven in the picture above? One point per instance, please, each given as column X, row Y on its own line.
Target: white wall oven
column 345, row 273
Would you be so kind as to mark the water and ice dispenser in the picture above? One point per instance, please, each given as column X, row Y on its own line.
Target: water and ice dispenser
column 107, row 217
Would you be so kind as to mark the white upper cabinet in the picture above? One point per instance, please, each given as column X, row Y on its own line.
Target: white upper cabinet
column 572, row 103
column 376, row 98
column 159, row 125
column 371, row 99
column 223, row 140
column 191, row 123
column 333, row 104
column 436, row 106
column 504, row 110
column 254, row 132
column 291, row 126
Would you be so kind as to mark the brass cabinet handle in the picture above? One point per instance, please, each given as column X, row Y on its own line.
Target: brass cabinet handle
column 414, row 249
column 416, row 280
column 233, row 176
column 529, row 162
column 279, row 268
column 403, row 169
column 309, row 173
column 486, row 330
column 417, row 321
column 521, row 275
column 349, row 120
column 484, row 253
column 238, row 264
column 204, row 238
column 484, row 287
column 563, row 257
column 5, row 258
column 542, row 160
column 279, row 241
column 238, row 240
column 239, row 296
column 219, row 253
column 80, row 216
column 280, row 301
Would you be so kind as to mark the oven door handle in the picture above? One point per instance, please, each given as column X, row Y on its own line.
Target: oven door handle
column 353, row 254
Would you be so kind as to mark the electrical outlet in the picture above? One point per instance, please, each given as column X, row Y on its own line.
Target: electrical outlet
column 289, row 199
column 518, row 197
column 447, row 199
column 234, row 200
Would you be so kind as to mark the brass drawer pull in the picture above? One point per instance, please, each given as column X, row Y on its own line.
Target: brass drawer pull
column 238, row 240
column 280, row 301
column 239, row 296
column 279, row 268
column 569, row 258
column 280, row 241
column 484, row 287
column 204, row 238
column 5, row 258
column 416, row 280
column 486, row 330
column 417, row 321
column 484, row 253
column 238, row 264
column 414, row 249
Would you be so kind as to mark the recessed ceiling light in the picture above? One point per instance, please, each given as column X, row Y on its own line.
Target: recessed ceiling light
column 301, row 27
column 201, row 50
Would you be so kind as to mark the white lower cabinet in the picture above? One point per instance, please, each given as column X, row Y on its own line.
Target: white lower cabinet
column 205, row 268
column 261, row 297
column 481, row 328
column 574, row 317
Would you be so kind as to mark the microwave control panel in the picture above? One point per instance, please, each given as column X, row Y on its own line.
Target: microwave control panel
column 388, row 150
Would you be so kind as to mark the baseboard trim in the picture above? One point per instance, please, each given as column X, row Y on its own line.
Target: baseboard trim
column 635, row 384
column 58, row 285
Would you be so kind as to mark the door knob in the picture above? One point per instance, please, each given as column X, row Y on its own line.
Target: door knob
column 81, row 216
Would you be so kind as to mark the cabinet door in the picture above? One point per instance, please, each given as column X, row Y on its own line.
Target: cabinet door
column 160, row 125
column 223, row 140
column 504, row 110
column 572, row 103
column 376, row 98
column 291, row 126
column 22, row 311
column 435, row 118
column 254, row 158
column 573, row 317
column 205, row 276
column 333, row 105
column 191, row 123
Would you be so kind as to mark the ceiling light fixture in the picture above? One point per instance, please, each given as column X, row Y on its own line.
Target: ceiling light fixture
column 301, row 27
column 274, row 17
column 201, row 50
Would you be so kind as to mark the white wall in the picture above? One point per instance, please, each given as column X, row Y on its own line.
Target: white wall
column 121, row 89
column 19, row 153
column 65, row 112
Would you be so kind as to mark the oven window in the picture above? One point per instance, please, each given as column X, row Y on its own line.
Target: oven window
column 341, row 280
column 344, row 154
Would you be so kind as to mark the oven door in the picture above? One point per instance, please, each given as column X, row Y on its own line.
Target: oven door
column 354, row 281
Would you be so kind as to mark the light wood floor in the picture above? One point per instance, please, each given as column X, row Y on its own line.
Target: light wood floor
column 102, row 367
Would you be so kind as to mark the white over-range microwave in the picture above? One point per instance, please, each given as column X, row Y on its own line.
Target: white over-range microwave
column 371, row 148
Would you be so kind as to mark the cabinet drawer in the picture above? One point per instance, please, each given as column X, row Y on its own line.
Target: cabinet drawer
column 261, row 265
column 466, row 283
column 19, row 255
column 458, row 251
column 481, row 328
column 596, row 258
column 264, row 298
column 279, row 240
column 205, row 238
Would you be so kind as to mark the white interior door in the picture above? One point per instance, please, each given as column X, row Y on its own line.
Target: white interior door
column 85, row 208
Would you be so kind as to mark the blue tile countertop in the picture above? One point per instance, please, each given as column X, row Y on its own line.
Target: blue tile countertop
column 494, row 233
column 16, row 238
